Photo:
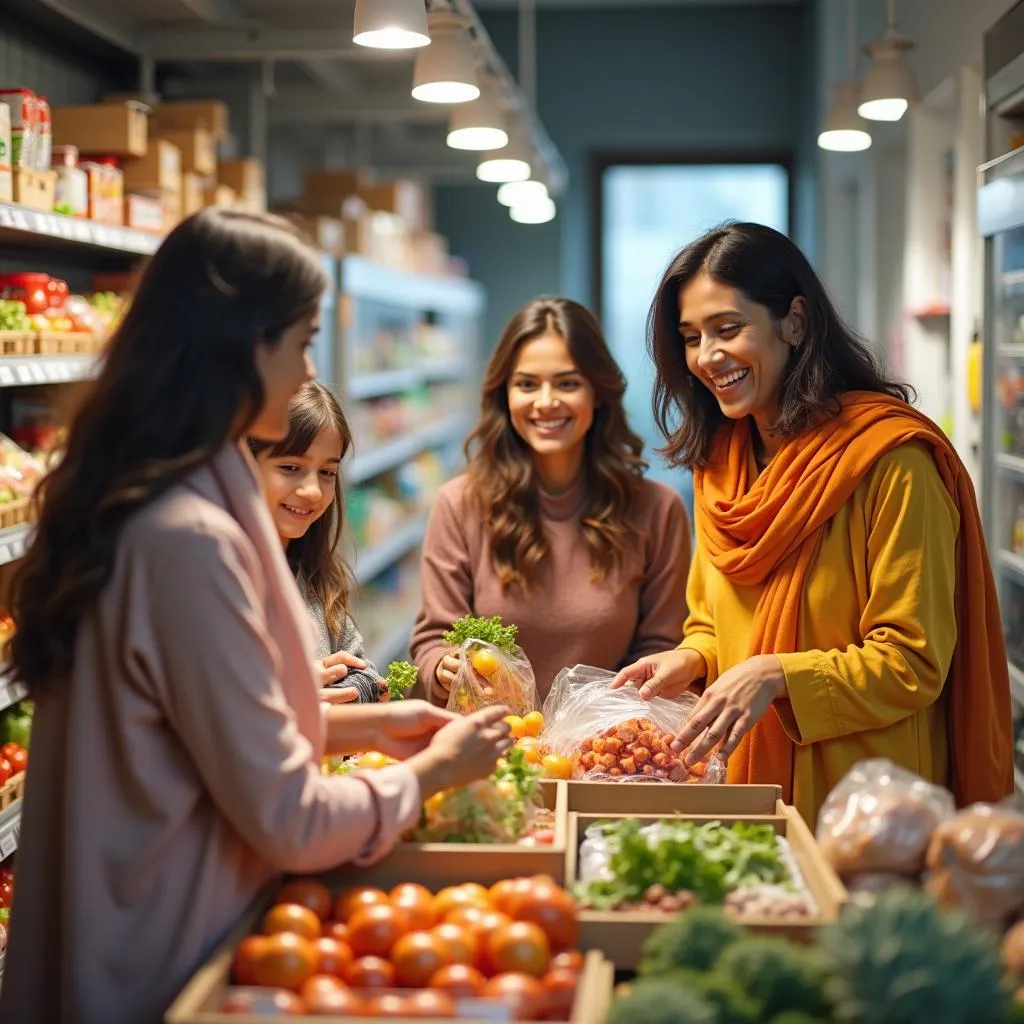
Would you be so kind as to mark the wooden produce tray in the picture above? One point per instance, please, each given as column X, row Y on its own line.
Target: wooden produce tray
column 13, row 789
column 17, row 343
column 14, row 513
column 621, row 934
column 66, row 343
column 628, row 798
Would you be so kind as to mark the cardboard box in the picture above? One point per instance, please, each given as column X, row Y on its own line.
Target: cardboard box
column 220, row 195
column 198, row 149
column 107, row 129
column 404, row 197
column 619, row 799
column 35, row 189
column 246, row 176
column 621, row 935
column 144, row 213
column 193, row 188
column 211, row 115
column 335, row 185
column 324, row 233
column 429, row 254
column 158, row 172
column 6, row 178
column 174, row 211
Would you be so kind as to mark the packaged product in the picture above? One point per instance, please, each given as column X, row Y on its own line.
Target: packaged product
column 976, row 860
column 488, row 675
column 880, row 819
column 72, row 195
column 24, row 106
column 616, row 735
column 6, row 177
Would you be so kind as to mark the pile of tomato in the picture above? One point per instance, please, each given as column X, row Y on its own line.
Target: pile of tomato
column 412, row 953
column 13, row 761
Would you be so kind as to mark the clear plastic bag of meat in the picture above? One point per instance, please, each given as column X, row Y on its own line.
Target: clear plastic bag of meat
column 616, row 735
column 976, row 861
column 488, row 675
column 880, row 818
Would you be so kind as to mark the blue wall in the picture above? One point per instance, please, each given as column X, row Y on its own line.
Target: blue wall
column 690, row 78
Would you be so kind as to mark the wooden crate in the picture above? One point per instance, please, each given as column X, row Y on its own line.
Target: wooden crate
column 198, row 1001
column 620, row 935
column 627, row 798
column 14, row 513
column 65, row 343
column 16, row 343
column 13, row 789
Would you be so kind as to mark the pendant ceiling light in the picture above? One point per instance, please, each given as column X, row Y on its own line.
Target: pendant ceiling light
column 509, row 164
column 445, row 71
column 480, row 124
column 536, row 211
column 522, row 193
column 390, row 24
column 845, row 131
column 889, row 86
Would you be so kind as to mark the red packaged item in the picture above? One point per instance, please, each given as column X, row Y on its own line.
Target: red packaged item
column 31, row 289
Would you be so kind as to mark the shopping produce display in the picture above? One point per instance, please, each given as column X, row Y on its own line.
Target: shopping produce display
column 39, row 315
column 412, row 952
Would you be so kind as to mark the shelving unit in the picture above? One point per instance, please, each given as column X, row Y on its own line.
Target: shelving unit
column 12, row 543
column 375, row 559
column 23, row 228
column 400, row 450
column 24, row 371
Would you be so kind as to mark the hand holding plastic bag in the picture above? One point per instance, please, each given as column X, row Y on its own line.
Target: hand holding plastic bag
column 880, row 819
column 488, row 675
column 616, row 735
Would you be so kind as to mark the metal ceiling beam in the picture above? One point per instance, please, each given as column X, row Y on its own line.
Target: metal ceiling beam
column 100, row 19
column 218, row 12
column 175, row 46
column 295, row 105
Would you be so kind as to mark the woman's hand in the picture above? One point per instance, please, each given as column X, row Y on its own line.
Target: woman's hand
column 446, row 671
column 339, row 695
column 334, row 668
column 730, row 708
column 409, row 726
column 466, row 748
column 669, row 674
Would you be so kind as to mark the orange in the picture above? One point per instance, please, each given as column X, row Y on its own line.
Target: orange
column 373, row 760
column 533, row 722
column 531, row 753
column 516, row 726
column 485, row 662
column 556, row 767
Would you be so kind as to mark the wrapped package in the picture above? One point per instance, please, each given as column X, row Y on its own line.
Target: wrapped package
column 488, row 675
column 976, row 861
column 616, row 735
column 880, row 818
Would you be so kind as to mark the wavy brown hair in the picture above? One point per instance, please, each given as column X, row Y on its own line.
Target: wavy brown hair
column 501, row 468
column 769, row 269
column 178, row 382
column 316, row 555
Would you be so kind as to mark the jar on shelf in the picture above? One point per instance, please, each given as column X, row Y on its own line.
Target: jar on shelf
column 72, row 195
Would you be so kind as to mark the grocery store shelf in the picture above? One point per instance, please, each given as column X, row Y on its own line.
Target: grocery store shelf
column 1015, row 350
column 21, row 371
column 10, row 691
column 361, row 279
column 1013, row 281
column 395, row 644
column 1011, row 464
column 1018, row 777
column 396, row 453
column 23, row 228
column 394, row 382
column 1017, row 683
column 376, row 559
column 10, row 829
column 1012, row 563
column 13, row 542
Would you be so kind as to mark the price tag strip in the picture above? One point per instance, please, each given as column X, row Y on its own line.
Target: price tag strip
column 11, row 834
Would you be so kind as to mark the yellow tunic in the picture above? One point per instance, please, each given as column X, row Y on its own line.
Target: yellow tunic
column 877, row 630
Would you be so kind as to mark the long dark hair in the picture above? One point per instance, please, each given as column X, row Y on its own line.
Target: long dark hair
column 178, row 381
column 316, row 554
column 770, row 270
column 501, row 465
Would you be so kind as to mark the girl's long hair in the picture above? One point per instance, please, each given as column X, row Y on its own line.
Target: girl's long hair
column 177, row 383
column 316, row 555
column 501, row 468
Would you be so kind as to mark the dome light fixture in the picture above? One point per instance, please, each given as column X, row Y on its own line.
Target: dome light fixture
column 390, row 24
column 509, row 164
column 445, row 71
column 536, row 211
column 889, row 86
column 522, row 193
column 845, row 131
column 478, row 125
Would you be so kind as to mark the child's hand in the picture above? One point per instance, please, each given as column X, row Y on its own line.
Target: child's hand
column 339, row 695
column 334, row 668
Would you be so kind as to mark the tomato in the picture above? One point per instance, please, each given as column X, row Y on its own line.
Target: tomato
column 307, row 892
column 290, row 917
column 429, row 1004
column 553, row 910
column 332, row 956
column 10, row 748
column 455, row 896
column 556, row 766
column 261, row 1002
column 352, row 899
column 325, row 996
column 516, row 728
column 533, row 723
column 336, row 930
column 501, row 893
column 417, row 956
column 531, row 752
column 6, row 771
column 560, row 988
column 462, row 942
column 369, row 972
column 485, row 662
column 6, row 892
column 389, row 1004
column 520, row 947
column 244, row 962
column 285, row 960
column 418, row 903
column 460, row 981
column 372, row 931
column 18, row 761
column 524, row 995
column 570, row 958
column 478, row 892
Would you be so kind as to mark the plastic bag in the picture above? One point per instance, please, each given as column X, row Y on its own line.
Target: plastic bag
column 616, row 735
column 488, row 675
column 976, row 861
column 880, row 818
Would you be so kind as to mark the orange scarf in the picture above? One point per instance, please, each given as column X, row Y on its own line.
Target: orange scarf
column 768, row 531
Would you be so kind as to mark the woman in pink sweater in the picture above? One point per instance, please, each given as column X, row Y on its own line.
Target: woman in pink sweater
column 553, row 526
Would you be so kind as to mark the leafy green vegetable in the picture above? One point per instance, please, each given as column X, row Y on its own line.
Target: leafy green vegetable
column 401, row 678
column 658, row 1001
column 490, row 631
column 731, row 1003
column 777, row 974
column 693, row 940
column 709, row 860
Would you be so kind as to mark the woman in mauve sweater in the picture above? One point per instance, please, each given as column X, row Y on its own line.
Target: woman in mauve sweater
column 553, row 526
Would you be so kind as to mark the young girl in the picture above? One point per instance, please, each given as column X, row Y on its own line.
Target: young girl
column 302, row 481
column 554, row 526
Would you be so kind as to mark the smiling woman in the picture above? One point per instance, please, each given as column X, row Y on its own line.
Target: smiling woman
column 554, row 526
